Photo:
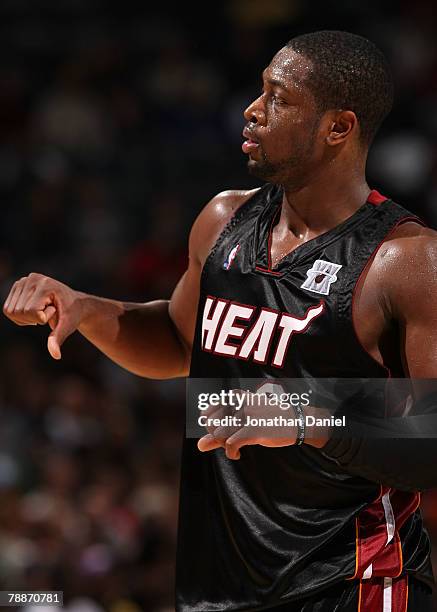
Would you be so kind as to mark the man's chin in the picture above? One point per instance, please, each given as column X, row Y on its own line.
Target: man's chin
column 261, row 170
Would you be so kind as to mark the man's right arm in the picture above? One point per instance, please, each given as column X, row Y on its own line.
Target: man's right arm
column 154, row 339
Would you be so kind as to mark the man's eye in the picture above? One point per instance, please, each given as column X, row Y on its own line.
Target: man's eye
column 277, row 99
column 272, row 96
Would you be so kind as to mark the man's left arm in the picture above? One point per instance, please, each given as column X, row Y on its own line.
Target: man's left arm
column 410, row 281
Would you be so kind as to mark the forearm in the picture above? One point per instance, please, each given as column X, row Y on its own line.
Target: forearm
column 398, row 452
column 404, row 464
column 139, row 337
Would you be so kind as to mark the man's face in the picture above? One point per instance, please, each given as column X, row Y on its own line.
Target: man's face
column 282, row 123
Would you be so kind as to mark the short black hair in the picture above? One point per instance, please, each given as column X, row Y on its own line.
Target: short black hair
column 349, row 72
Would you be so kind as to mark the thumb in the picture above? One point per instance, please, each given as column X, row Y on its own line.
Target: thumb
column 56, row 339
column 45, row 316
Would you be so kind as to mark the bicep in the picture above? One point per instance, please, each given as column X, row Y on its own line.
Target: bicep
column 419, row 342
column 417, row 316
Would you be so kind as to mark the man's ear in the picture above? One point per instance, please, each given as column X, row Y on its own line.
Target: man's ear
column 342, row 124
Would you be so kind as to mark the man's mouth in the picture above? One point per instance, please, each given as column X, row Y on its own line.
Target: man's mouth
column 250, row 144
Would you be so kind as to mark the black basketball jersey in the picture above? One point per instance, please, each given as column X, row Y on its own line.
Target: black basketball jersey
column 281, row 523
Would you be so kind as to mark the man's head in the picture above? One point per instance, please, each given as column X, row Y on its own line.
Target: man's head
column 324, row 93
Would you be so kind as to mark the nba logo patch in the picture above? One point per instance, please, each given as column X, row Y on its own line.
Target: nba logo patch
column 321, row 276
column 230, row 258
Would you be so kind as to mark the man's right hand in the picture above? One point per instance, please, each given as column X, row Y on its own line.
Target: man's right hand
column 39, row 300
column 151, row 339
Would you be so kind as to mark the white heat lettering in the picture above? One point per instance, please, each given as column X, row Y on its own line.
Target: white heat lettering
column 259, row 337
column 210, row 324
column 289, row 326
column 227, row 329
column 230, row 329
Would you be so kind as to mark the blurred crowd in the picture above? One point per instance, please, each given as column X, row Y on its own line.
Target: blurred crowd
column 118, row 123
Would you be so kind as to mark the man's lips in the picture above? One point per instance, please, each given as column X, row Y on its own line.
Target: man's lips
column 250, row 144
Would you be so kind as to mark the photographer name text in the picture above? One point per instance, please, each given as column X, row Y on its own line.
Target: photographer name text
column 276, row 421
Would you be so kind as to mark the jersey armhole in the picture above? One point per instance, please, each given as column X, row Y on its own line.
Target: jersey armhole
column 233, row 221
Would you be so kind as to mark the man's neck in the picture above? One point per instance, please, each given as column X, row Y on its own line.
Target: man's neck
column 316, row 208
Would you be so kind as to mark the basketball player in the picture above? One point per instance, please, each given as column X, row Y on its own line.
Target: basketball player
column 344, row 282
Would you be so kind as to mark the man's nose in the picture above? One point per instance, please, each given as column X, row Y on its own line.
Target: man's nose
column 255, row 111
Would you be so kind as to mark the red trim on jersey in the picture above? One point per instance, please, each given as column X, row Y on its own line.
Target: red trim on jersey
column 260, row 269
column 376, row 198
column 383, row 595
column 373, row 526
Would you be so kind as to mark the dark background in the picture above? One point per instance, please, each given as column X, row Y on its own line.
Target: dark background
column 119, row 121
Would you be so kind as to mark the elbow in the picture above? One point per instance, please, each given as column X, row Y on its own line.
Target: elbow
column 168, row 369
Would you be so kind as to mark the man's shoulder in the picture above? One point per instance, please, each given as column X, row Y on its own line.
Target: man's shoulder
column 226, row 203
column 405, row 266
column 214, row 217
column 408, row 244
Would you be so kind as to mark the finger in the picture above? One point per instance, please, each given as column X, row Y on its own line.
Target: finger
column 220, row 432
column 58, row 336
column 47, row 314
column 41, row 311
column 25, row 296
column 9, row 297
column 14, row 295
column 208, row 443
column 34, row 302
column 216, row 413
column 30, row 314
column 26, row 324
column 215, row 410
column 224, row 431
column 238, row 440
column 16, row 306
